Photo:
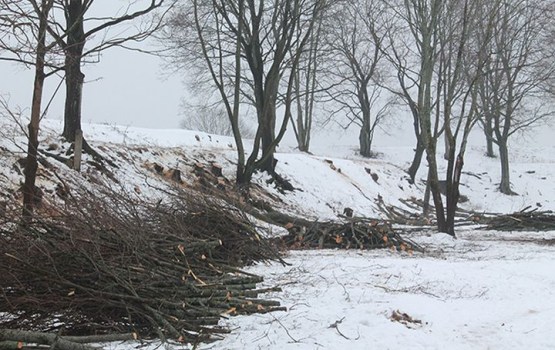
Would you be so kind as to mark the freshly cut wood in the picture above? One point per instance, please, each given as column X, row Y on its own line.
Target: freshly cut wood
column 354, row 233
column 110, row 264
column 524, row 220
column 19, row 337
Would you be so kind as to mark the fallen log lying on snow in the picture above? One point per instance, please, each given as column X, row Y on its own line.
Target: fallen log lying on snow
column 14, row 339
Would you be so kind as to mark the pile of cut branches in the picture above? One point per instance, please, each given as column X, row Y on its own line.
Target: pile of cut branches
column 524, row 220
column 356, row 233
column 113, row 263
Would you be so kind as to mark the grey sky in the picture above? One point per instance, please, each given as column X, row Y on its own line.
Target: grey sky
column 130, row 88
column 125, row 87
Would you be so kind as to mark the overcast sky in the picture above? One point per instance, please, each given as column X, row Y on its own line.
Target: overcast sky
column 125, row 87
column 132, row 89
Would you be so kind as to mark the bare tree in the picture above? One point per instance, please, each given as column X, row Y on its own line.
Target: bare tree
column 31, row 19
column 355, row 41
column 412, row 52
column 461, row 63
column 516, row 74
column 72, row 37
column 251, row 49
column 74, row 44
column 306, row 87
column 437, row 79
column 25, row 29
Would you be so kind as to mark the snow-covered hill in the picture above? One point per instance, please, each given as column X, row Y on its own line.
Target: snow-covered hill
column 482, row 291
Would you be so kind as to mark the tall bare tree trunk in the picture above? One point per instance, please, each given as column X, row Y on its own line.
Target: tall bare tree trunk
column 365, row 139
column 31, row 164
column 418, row 151
column 416, row 161
column 434, row 187
column 268, row 137
column 488, row 131
column 74, row 76
column 365, row 136
column 505, row 184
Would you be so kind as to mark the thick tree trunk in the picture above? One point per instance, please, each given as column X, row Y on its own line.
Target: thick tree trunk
column 416, row 160
column 505, row 184
column 268, row 149
column 365, row 140
column 452, row 194
column 488, row 131
column 74, row 89
column 74, row 76
column 31, row 164
column 268, row 120
column 304, row 144
column 434, row 187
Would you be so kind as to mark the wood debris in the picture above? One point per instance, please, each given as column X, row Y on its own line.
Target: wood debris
column 168, row 270
column 355, row 233
column 524, row 220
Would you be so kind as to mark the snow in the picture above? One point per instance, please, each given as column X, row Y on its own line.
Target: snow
column 475, row 294
column 483, row 290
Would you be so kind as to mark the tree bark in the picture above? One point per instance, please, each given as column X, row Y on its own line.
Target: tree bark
column 488, row 131
column 505, row 184
column 436, row 193
column 416, row 160
column 365, row 136
column 31, row 164
column 452, row 195
column 74, row 76
column 365, row 140
column 268, row 138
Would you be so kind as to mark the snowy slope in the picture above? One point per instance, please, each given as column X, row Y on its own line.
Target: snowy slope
column 485, row 290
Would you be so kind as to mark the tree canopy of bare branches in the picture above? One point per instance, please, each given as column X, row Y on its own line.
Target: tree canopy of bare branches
column 251, row 50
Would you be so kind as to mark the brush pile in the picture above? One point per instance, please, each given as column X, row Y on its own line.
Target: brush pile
column 524, row 220
column 355, row 233
column 111, row 264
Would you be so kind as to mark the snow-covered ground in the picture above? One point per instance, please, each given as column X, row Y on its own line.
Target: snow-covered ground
column 481, row 291
column 484, row 290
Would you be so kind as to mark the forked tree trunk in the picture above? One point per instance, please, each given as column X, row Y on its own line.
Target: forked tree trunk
column 488, row 131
